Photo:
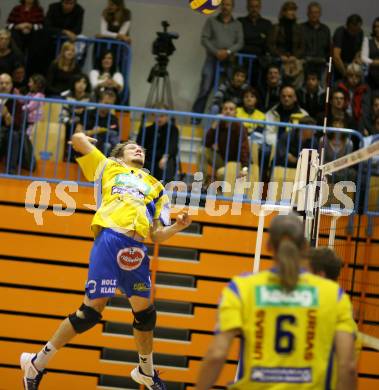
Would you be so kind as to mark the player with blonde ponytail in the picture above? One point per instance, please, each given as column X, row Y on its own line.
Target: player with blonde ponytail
column 291, row 323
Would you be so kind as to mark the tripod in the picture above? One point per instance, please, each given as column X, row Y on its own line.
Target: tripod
column 160, row 90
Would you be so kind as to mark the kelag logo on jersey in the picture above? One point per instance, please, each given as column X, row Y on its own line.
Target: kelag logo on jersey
column 302, row 296
column 126, row 180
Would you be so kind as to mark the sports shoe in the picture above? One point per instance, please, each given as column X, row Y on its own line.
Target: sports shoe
column 32, row 376
column 151, row 382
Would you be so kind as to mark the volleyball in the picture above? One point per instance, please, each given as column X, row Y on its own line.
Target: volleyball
column 205, row 7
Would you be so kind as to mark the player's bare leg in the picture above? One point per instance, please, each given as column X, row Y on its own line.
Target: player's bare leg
column 34, row 364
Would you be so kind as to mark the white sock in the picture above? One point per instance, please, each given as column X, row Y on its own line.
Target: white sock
column 146, row 364
column 44, row 355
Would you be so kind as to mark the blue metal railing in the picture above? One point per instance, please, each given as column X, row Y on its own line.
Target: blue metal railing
column 247, row 60
column 122, row 56
column 165, row 133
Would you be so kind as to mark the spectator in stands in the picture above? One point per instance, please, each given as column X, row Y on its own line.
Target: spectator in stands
column 312, row 96
column 20, row 82
column 293, row 141
column 249, row 110
column 221, row 138
column 65, row 18
column 115, row 21
column 163, row 135
column 11, row 122
column 270, row 91
column 62, row 70
column 287, row 111
column 255, row 31
column 316, row 41
column 36, row 84
column 347, row 44
column 357, row 93
column 370, row 55
column 286, row 42
column 9, row 59
column 102, row 124
column 230, row 90
column 222, row 37
column 24, row 22
column 337, row 111
column 106, row 76
column 367, row 123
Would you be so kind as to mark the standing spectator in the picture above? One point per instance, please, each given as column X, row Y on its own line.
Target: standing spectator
column 255, row 31
column 357, row 93
column 370, row 55
column 316, row 41
column 230, row 90
column 161, row 141
column 366, row 125
column 25, row 23
column 312, row 96
column 222, row 37
column 347, row 44
column 20, row 82
column 36, row 84
column 286, row 42
column 62, row 70
column 115, row 21
column 287, row 111
column 249, row 111
column 105, row 75
column 292, row 142
column 270, row 91
column 102, row 124
column 9, row 59
column 220, row 138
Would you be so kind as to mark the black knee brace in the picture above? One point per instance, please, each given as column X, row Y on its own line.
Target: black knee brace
column 145, row 320
column 91, row 318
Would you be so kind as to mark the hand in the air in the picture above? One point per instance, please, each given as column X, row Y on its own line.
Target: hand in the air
column 183, row 220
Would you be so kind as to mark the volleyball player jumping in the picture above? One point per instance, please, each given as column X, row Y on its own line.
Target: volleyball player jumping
column 291, row 323
column 132, row 204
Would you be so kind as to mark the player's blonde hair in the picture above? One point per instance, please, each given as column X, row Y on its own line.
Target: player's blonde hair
column 118, row 150
column 288, row 242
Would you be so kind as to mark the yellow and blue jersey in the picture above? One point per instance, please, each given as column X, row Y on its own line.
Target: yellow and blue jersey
column 287, row 338
column 128, row 198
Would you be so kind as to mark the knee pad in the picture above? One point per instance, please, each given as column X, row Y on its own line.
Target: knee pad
column 145, row 320
column 91, row 318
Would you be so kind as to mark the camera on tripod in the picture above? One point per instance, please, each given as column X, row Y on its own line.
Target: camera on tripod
column 163, row 48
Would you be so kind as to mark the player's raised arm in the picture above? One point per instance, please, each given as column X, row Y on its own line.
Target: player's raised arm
column 82, row 143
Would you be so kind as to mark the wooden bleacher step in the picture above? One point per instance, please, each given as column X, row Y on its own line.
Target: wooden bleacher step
column 168, row 279
column 160, row 359
column 119, row 328
column 174, row 253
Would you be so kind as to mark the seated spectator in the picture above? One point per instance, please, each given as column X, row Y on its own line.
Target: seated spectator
column 286, row 42
column 316, row 41
column 26, row 22
column 338, row 145
column 249, row 111
column 357, row 93
column 9, row 59
column 370, row 55
column 230, row 90
column 62, row 70
column 270, row 91
column 312, row 96
column 102, row 124
column 115, row 21
column 36, row 84
column 287, row 111
column 224, row 137
column 162, row 134
column 222, row 37
column 20, row 82
column 367, row 123
column 347, row 44
column 293, row 141
column 106, row 76
column 337, row 111
column 255, row 31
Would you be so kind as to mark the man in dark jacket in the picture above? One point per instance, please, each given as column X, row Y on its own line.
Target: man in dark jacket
column 224, row 142
column 312, row 96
